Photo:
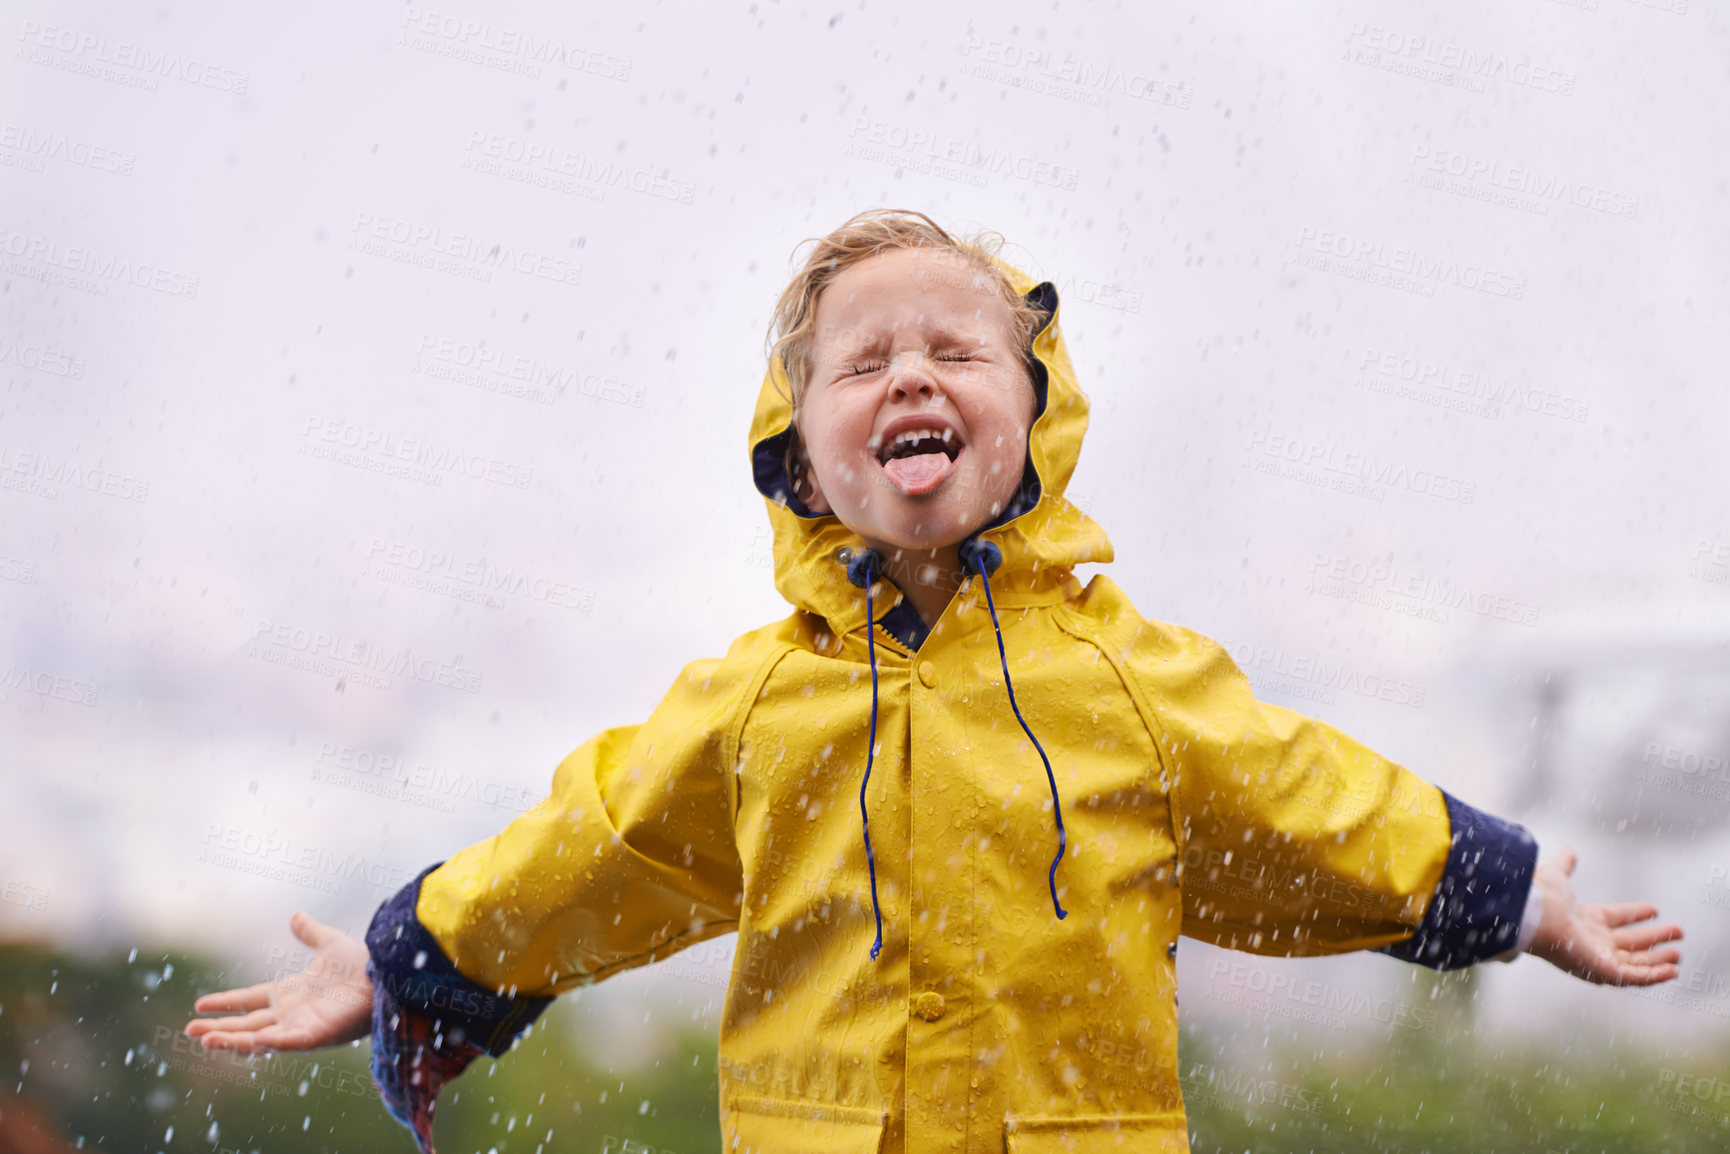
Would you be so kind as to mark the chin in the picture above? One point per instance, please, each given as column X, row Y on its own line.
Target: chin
column 907, row 536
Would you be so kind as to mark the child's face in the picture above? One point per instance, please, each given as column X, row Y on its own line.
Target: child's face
column 906, row 341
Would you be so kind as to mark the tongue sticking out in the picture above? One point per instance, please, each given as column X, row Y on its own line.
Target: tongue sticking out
column 919, row 473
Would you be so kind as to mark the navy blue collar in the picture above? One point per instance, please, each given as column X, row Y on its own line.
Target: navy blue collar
column 905, row 625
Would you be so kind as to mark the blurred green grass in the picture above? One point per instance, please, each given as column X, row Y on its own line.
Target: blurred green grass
column 97, row 1047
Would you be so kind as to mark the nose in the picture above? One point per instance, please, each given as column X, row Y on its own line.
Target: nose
column 910, row 375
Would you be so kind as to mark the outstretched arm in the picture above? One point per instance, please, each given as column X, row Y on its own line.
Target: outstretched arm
column 1609, row 944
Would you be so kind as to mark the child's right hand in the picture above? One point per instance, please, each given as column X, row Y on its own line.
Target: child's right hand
column 1611, row 945
column 327, row 1004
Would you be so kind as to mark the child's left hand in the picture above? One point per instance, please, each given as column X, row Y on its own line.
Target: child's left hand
column 1605, row 944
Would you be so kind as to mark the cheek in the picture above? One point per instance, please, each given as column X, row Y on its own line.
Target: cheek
column 1001, row 465
column 1005, row 439
column 837, row 456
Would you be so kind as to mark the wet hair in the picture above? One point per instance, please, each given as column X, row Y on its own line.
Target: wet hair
column 792, row 328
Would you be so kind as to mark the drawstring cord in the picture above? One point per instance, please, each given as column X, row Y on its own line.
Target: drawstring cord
column 864, row 567
column 984, row 557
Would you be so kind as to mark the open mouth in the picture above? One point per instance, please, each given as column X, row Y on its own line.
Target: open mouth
column 916, row 461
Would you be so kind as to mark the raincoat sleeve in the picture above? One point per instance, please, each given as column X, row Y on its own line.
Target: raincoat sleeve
column 630, row 858
column 1294, row 839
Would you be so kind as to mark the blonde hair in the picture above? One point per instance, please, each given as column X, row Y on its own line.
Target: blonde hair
column 874, row 231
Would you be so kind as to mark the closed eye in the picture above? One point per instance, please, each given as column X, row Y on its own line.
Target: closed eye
column 874, row 366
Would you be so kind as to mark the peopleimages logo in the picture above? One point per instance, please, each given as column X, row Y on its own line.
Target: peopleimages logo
column 389, row 775
column 1299, row 458
column 482, row 366
column 85, row 51
column 465, row 254
column 46, row 683
column 1704, row 775
column 423, row 458
column 283, row 643
column 1383, row 584
column 552, row 160
column 477, row 575
column 1461, row 388
column 42, row 475
column 276, row 856
column 1522, row 179
column 467, row 39
column 1329, row 1003
column 45, row 146
column 1711, row 561
column 42, row 358
column 1235, row 1089
column 1407, row 267
column 1316, row 677
column 100, row 268
column 870, row 138
column 1066, row 75
column 1429, row 58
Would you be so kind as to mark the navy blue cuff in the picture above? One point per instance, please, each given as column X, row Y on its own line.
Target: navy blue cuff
column 1476, row 910
column 407, row 961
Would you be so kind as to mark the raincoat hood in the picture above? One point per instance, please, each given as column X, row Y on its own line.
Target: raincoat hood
column 1041, row 535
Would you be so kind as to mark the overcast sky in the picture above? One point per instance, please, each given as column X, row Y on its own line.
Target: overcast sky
column 1403, row 326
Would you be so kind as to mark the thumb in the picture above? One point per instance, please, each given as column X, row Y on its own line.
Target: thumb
column 313, row 933
column 1569, row 859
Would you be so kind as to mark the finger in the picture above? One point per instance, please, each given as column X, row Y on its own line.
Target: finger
column 1645, row 975
column 328, row 966
column 1621, row 913
column 256, row 1020
column 314, row 933
column 230, row 1001
column 283, row 1038
column 1657, row 957
column 1666, row 956
column 1569, row 859
column 1645, row 937
column 239, row 1043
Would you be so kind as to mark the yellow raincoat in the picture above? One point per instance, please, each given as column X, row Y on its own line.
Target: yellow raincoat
column 987, row 1023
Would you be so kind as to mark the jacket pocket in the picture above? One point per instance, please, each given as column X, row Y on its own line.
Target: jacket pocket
column 797, row 1126
column 1163, row 1133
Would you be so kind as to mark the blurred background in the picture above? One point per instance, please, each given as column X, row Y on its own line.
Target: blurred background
column 374, row 386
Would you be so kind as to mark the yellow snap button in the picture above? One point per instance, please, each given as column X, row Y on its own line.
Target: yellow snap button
column 929, row 1005
column 927, row 674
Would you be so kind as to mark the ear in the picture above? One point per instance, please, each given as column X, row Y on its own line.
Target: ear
column 803, row 477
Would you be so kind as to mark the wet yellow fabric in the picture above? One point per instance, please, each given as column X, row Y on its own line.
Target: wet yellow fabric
column 986, row 1025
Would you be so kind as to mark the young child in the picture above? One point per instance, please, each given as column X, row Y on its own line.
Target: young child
column 958, row 845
